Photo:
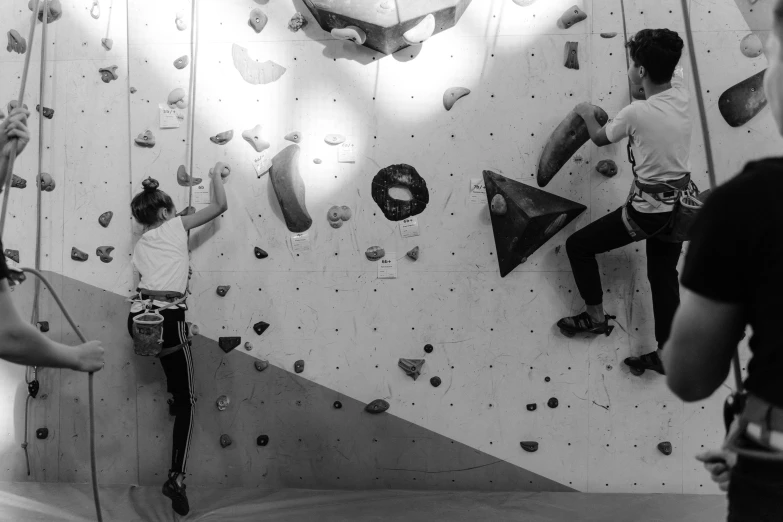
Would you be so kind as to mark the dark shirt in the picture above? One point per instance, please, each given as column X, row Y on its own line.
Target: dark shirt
column 3, row 265
column 736, row 256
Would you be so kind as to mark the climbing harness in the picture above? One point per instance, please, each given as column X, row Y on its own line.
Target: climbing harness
column 147, row 329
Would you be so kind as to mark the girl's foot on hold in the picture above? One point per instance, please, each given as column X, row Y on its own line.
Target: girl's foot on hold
column 176, row 492
column 648, row 361
column 583, row 323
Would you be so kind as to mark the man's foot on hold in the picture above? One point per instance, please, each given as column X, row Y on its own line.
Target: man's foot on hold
column 583, row 323
column 176, row 492
column 648, row 361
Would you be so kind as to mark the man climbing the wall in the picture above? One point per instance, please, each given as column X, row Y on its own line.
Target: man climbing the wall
column 659, row 132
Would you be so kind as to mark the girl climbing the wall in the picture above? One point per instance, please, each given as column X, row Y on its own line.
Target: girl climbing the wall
column 162, row 261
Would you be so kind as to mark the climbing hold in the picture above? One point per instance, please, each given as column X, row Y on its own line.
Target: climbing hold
column 16, row 42
column 222, row 138
column 254, row 71
column 665, row 448
column 336, row 224
column 43, row 326
column 607, row 167
column 178, row 99
column 529, row 445
column 435, row 381
column 46, row 181
column 347, row 213
column 553, row 402
column 258, row 20
column 412, row 367
column 524, row 3
column 248, row 346
column 608, row 35
column 421, row 32
column 145, row 139
column 18, row 182
column 498, row 206
column 377, row 406
column 104, row 253
column 298, row 21
column 41, row 433
column 260, row 327
column 572, row 16
column 253, row 137
column 223, row 290
column 229, row 343
column 375, row 253
column 261, row 365
column 180, row 22
column 532, row 407
column 572, row 55
column 47, row 112
column 78, row 255
column 337, row 405
column 334, row 214
column 295, row 136
column 334, row 139
column 299, row 366
column 187, row 211
column 107, row 43
column 428, row 348
column 413, row 254
column 751, row 46
column 400, row 176
column 533, row 218
column 290, row 189
column 181, row 62
column 317, row 161
column 351, row 33
column 184, row 179
column 260, row 254
column 105, row 218
column 108, row 73
column 453, row 94
column 740, row 103
column 54, row 10
column 222, row 402
column 262, row 440
column 13, row 255
column 225, row 441
column 566, row 139
column 133, row 90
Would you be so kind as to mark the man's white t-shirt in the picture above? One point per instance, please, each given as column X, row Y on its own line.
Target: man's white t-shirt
column 660, row 127
column 161, row 258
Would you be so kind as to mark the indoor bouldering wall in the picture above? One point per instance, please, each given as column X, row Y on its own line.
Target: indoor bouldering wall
column 353, row 112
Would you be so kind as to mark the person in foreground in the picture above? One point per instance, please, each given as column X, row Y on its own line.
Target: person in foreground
column 162, row 260
column 20, row 342
column 733, row 277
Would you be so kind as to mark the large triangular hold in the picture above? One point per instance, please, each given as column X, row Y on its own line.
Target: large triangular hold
column 524, row 218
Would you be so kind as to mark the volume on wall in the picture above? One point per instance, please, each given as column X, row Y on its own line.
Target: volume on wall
column 495, row 348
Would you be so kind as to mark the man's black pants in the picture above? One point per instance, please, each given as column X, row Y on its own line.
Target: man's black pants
column 609, row 233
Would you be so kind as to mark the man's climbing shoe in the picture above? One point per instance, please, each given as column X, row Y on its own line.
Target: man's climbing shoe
column 583, row 323
column 648, row 361
column 179, row 501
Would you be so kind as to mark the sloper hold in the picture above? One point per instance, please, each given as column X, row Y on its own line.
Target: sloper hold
column 260, row 254
column 377, row 406
column 257, row 20
column 260, row 327
column 289, row 188
column 145, row 139
column 533, row 218
column 186, row 180
column 41, row 433
column 178, row 99
column 225, row 441
column 428, row 348
column 229, row 343
column 222, row 138
column 750, row 46
column 180, row 22
column 13, row 255
column 223, row 290
column 414, row 254
column 54, row 9
column 553, row 402
column 253, row 137
column 572, row 55
column 573, row 15
column 665, row 448
column 16, row 42
column 181, row 62
column 566, row 139
column 104, row 253
column 346, row 213
column 530, row 446
column 108, row 74
column 105, row 219
column 78, row 255
column 253, row 71
column 435, row 381
column 411, row 367
column 336, row 224
column 740, row 103
column 350, row 33
column 403, row 176
column 46, row 181
column 47, row 112
column 334, row 139
column 453, row 94
column 607, row 168
column 299, row 366
column 421, row 32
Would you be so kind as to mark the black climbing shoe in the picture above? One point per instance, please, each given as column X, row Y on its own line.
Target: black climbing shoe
column 648, row 361
column 582, row 323
column 179, row 501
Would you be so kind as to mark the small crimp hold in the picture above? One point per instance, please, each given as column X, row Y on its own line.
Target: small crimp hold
column 229, row 343
column 532, row 407
column 572, row 55
column 350, row 33
column 41, row 433
column 222, row 138
column 145, row 139
column 572, row 16
column 453, row 94
column 47, row 112
column 298, row 21
column 258, row 20
column 181, row 62
column 178, row 99
column 107, row 43
column 262, row 440
column 16, row 42
column 13, row 255
column 46, row 181
column 105, row 218
column 253, row 137
column 104, row 253
column 435, row 381
column 530, row 446
column 608, row 35
column 665, row 448
column 222, row 402
column 133, row 90
column 337, row 405
column 607, row 167
column 375, row 253
column 223, row 290
column 260, row 327
column 428, row 348
column 553, row 402
column 225, row 441
column 299, row 366
column 414, row 254
column 261, row 365
column 78, row 255
column 377, row 406
column 412, row 367
column 18, row 182
column 260, row 254
column 334, row 139
column 186, row 180
column 108, row 74
column 294, row 136
column 43, row 326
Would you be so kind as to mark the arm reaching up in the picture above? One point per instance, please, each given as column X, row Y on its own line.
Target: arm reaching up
column 13, row 133
column 219, row 202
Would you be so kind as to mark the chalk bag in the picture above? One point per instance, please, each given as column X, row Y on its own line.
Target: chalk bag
column 148, row 334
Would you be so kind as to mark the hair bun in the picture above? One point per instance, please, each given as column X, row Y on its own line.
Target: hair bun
column 150, row 185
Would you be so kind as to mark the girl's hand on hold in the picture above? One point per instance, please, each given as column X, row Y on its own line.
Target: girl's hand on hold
column 89, row 357
column 719, row 464
column 13, row 132
column 216, row 173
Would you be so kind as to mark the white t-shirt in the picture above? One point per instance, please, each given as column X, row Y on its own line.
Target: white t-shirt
column 161, row 258
column 660, row 127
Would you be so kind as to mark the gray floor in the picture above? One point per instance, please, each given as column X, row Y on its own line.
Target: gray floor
column 24, row 502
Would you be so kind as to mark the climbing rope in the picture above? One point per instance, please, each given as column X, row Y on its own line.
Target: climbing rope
column 627, row 59
column 192, row 95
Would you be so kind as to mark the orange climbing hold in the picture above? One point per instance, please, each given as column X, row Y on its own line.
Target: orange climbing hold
column 665, row 448
column 225, row 441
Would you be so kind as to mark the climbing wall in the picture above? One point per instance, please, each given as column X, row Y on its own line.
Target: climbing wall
column 495, row 348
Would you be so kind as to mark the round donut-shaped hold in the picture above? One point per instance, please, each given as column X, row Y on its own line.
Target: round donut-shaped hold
column 400, row 176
